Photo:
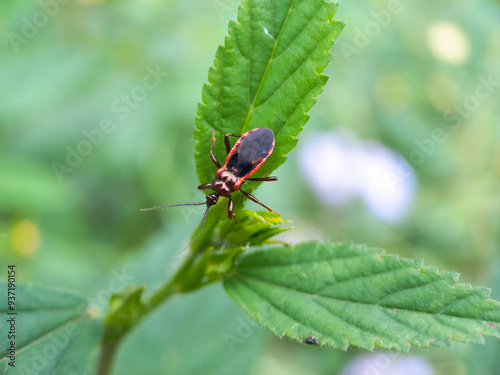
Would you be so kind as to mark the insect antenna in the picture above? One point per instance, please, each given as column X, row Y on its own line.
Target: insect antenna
column 201, row 230
column 173, row 205
column 185, row 204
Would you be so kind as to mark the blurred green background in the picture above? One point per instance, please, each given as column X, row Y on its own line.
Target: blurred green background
column 70, row 193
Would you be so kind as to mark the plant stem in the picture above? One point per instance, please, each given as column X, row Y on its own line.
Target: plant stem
column 188, row 277
column 106, row 360
column 182, row 281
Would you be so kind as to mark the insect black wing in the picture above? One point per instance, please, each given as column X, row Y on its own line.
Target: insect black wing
column 255, row 147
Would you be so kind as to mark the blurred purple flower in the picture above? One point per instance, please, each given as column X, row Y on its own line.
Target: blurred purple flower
column 388, row 363
column 339, row 168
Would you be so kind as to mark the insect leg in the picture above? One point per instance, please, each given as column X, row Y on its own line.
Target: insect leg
column 270, row 178
column 252, row 198
column 205, row 186
column 230, row 209
column 214, row 159
column 226, row 140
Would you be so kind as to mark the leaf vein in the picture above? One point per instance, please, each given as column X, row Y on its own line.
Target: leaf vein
column 292, row 75
column 397, row 319
column 361, row 277
column 302, row 31
column 379, row 302
column 296, row 108
column 362, row 329
column 456, row 301
column 273, row 305
column 439, row 319
column 46, row 334
column 357, row 302
column 308, row 261
column 268, row 65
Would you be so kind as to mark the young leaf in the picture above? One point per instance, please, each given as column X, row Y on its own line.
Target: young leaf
column 267, row 74
column 125, row 309
column 252, row 228
column 56, row 332
column 342, row 294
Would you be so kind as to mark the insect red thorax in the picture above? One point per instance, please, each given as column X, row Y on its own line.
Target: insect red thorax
column 246, row 156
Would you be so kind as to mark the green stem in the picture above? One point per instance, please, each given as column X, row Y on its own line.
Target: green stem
column 114, row 334
column 107, row 355
column 188, row 277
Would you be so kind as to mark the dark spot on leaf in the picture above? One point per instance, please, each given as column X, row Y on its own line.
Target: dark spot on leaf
column 311, row 340
column 492, row 325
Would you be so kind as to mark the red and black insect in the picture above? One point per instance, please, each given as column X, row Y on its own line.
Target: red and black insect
column 248, row 154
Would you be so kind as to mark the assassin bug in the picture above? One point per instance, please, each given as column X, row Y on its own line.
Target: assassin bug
column 248, row 154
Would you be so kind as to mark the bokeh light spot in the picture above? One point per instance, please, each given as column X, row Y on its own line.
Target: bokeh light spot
column 25, row 238
column 448, row 42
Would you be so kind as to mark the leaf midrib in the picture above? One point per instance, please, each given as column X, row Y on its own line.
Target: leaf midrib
column 268, row 65
column 291, row 74
column 364, row 303
column 308, row 261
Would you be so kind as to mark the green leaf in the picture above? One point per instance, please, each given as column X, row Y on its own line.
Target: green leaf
column 267, row 74
column 56, row 332
column 342, row 294
column 220, row 263
column 252, row 228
